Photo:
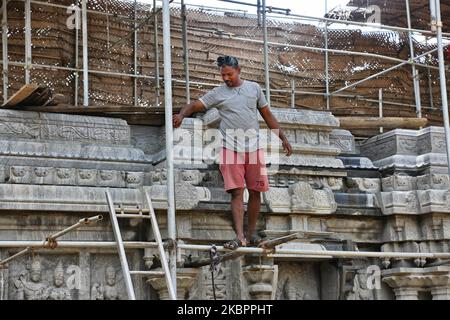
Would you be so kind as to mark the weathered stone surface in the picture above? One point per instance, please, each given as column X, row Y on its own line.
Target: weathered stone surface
column 407, row 282
column 55, row 172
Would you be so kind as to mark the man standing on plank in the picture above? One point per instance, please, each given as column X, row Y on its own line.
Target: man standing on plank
column 241, row 160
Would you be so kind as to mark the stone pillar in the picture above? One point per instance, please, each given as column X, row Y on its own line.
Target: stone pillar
column 405, row 282
column 185, row 280
column 441, row 293
column 261, row 281
column 406, row 294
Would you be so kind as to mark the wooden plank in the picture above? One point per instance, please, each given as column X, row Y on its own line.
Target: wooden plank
column 385, row 122
column 20, row 95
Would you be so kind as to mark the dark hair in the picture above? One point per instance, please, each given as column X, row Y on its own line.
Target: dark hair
column 227, row 61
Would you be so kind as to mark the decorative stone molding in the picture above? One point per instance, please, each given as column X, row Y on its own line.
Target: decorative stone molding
column 261, row 281
column 54, row 126
column 407, row 282
column 398, row 183
column 300, row 198
column 344, row 140
column 75, row 177
column 433, row 181
column 305, row 199
column 408, row 149
column 185, row 280
column 187, row 197
column 366, row 185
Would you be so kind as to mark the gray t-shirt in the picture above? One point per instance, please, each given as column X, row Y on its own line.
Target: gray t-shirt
column 238, row 110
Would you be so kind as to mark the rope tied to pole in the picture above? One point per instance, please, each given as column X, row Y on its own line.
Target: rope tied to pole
column 215, row 260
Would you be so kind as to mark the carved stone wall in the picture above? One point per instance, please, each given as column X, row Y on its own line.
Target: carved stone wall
column 391, row 196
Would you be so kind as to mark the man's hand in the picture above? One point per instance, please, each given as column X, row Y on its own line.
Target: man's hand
column 177, row 119
column 287, row 147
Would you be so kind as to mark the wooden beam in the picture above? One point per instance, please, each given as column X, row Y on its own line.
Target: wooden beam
column 20, row 95
column 385, row 122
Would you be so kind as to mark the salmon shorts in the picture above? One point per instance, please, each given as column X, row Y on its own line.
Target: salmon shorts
column 240, row 169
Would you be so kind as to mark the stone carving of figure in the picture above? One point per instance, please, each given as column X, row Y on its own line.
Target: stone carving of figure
column 32, row 289
column 108, row 291
column 360, row 290
column 59, row 291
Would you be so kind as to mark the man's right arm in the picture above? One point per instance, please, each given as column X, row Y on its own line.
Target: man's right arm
column 186, row 111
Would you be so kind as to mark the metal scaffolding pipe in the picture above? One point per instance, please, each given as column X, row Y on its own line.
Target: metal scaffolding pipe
column 171, row 226
column 28, row 58
column 443, row 81
column 185, row 51
column 131, row 245
column 327, row 253
column 293, row 93
column 266, row 52
column 345, row 52
column 380, row 73
column 50, row 241
column 109, row 73
column 81, row 222
column 85, row 55
column 135, row 60
column 415, row 73
column 380, row 106
column 327, row 79
column 354, row 23
column 5, row 49
column 156, row 44
column 291, row 252
column 77, row 63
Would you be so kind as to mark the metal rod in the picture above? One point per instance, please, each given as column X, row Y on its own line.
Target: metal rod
column 289, row 16
column 156, row 44
column 171, row 226
column 415, row 73
column 5, row 49
column 79, row 244
column 327, row 79
column 77, row 62
column 380, row 106
column 85, row 56
column 293, row 93
column 28, row 58
column 162, row 253
column 430, row 89
column 52, row 238
column 35, row 66
column 15, row 256
column 255, row 5
column 292, row 252
column 354, row 23
column 346, row 52
column 327, row 253
column 120, row 247
column 81, row 222
column 380, row 73
column 266, row 52
column 443, row 82
column 185, row 51
column 135, row 62
column 258, row 12
column 54, row 5
column 109, row 73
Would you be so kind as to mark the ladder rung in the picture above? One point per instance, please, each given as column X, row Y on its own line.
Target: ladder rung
column 131, row 210
column 148, row 273
column 132, row 216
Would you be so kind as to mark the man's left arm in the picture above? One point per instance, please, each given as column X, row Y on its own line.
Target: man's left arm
column 272, row 123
